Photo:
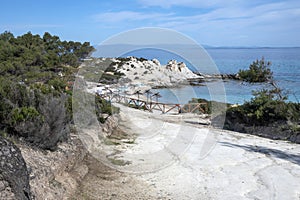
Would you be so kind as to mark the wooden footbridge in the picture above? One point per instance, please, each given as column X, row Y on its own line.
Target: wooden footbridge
column 154, row 105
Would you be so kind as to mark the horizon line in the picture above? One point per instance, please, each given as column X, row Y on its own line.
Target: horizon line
column 204, row 46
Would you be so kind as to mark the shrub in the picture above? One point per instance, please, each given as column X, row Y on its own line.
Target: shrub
column 210, row 106
column 104, row 107
column 122, row 59
column 57, row 84
column 111, row 67
column 34, row 103
column 259, row 71
column 110, row 78
column 24, row 114
column 41, row 119
column 43, row 126
column 141, row 59
column 266, row 108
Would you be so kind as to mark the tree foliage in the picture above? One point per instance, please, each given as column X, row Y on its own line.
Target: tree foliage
column 35, row 76
column 268, row 105
column 41, row 119
column 25, row 56
column 259, row 71
column 266, row 108
column 209, row 107
column 104, row 107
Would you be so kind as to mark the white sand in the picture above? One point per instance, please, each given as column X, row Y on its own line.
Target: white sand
column 181, row 161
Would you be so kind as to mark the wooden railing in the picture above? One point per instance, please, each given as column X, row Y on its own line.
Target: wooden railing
column 152, row 105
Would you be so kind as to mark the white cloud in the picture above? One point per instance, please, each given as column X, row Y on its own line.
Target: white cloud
column 265, row 13
column 240, row 22
column 114, row 17
column 275, row 14
column 185, row 3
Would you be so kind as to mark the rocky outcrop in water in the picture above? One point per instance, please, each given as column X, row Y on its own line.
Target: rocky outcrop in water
column 14, row 177
column 222, row 76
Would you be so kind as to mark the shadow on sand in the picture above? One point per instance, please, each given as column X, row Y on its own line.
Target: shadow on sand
column 293, row 158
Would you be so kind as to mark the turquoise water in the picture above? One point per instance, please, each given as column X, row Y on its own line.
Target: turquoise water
column 285, row 66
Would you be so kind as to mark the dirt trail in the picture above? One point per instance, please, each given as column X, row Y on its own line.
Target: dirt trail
column 105, row 183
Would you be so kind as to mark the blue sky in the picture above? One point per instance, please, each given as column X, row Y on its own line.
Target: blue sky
column 210, row 22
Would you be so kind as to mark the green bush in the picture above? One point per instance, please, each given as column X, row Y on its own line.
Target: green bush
column 41, row 119
column 210, row 106
column 104, row 107
column 141, row 59
column 58, row 84
column 259, row 71
column 122, row 59
column 110, row 78
column 28, row 56
column 266, row 107
column 24, row 114
column 34, row 73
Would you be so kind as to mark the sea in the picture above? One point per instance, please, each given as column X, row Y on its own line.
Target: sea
column 285, row 67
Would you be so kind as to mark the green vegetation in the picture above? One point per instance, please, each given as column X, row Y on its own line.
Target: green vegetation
column 31, row 58
column 268, row 112
column 104, row 71
column 41, row 119
column 109, row 71
column 259, row 71
column 36, row 77
column 208, row 106
column 266, row 107
column 108, row 78
column 104, row 107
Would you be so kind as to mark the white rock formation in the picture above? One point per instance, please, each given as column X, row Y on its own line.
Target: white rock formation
column 152, row 73
column 155, row 61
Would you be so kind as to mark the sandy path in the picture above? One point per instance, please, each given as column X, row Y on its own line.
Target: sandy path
column 174, row 160
column 105, row 183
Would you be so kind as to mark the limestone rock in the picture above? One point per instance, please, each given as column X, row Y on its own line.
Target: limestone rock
column 109, row 126
column 14, row 177
column 153, row 74
column 155, row 61
column 56, row 174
